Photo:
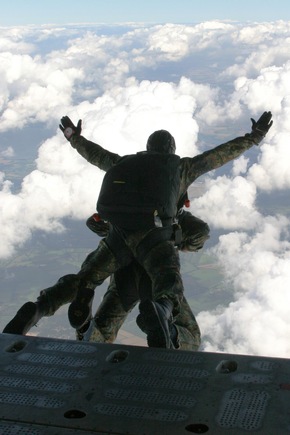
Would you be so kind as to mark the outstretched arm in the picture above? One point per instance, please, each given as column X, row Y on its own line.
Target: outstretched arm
column 193, row 167
column 92, row 152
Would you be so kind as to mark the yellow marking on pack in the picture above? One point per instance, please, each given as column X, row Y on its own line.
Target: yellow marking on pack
column 119, row 182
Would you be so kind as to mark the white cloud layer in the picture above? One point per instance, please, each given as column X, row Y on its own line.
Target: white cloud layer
column 202, row 83
column 257, row 265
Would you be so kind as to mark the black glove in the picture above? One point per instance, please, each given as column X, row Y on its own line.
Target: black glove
column 68, row 128
column 261, row 127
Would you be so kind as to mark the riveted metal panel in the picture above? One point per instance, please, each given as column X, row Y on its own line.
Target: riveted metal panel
column 63, row 387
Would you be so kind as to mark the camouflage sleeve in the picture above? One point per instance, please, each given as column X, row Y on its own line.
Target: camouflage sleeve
column 94, row 153
column 193, row 167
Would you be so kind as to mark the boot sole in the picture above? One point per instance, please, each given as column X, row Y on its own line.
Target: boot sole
column 23, row 320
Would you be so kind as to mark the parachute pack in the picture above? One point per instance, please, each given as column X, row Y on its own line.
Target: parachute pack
column 138, row 188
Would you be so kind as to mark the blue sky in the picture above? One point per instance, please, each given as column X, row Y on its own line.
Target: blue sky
column 19, row 12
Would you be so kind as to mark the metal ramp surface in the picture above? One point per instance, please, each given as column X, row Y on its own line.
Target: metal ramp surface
column 63, row 387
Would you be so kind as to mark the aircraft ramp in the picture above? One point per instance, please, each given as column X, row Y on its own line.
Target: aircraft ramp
column 63, row 387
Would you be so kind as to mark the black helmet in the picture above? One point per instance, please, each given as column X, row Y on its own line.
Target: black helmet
column 161, row 141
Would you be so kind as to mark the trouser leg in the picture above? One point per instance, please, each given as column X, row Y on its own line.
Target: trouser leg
column 163, row 267
column 63, row 292
column 109, row 318
column 124, row 291
column 188, row 332
column 98, row 265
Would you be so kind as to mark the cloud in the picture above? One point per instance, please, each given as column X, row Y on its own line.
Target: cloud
column 41, row 89
column 257, row 269
column 270, row 42
column 8, row 152
column 202, row 83
column 228, row 203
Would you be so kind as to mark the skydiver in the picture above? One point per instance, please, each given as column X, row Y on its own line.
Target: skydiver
column 158, row 255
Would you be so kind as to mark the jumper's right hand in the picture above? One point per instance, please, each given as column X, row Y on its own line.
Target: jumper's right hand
column 68, row 128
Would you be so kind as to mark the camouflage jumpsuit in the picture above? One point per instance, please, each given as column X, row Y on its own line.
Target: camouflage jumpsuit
column 131, row 284
column 190, row 169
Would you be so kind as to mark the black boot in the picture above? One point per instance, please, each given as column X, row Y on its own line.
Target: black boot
column 26, row 317
column 80, row 310
column 155, row 319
